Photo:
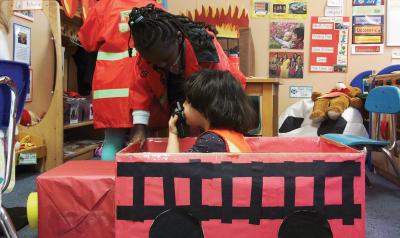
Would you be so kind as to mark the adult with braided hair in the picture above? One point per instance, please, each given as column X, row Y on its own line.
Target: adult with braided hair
column 171, row 48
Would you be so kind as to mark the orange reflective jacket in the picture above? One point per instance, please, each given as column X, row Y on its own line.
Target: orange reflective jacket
column 149, row 90
column 106, row 30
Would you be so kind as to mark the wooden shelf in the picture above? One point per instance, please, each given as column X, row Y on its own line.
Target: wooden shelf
column 80, row 124
column 81, row 151
column 261, row 80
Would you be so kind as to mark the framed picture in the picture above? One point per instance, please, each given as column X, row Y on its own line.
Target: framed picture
column 25, row 14
column 30, row 91
column 283, row 64
column 22, row 44
column 286, row 35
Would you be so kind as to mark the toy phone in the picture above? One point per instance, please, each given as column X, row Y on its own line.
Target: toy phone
column 181, row 124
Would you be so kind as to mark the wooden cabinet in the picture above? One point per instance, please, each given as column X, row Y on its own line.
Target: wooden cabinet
column 51, row 128
column 268, row 91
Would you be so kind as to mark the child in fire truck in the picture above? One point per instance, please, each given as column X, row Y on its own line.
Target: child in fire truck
column 171, row 49
column 215, row 102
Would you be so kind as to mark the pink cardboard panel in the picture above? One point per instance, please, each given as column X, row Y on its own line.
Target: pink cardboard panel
column 257, row 144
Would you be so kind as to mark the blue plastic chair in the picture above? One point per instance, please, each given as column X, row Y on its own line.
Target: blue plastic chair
column 14, row 85
column 380, row 100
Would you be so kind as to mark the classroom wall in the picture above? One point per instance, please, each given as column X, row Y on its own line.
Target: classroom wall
column 322, row 82
column 42, row 59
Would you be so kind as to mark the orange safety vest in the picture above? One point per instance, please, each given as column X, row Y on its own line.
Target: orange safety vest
column 106, row 30
column 234, row 141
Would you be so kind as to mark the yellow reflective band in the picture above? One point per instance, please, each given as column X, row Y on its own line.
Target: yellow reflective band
column 111, row 93
column 233, row 147
column 114, row 56
column 67, row 7
column 123, row 27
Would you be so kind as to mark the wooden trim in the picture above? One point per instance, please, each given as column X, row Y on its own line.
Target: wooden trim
column 81, row 151
column 81, row 124
column 261, row 80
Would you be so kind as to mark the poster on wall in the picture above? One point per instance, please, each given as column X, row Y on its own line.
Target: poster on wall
column 286, row 35
column 329, row 44
column 288, row 9
column 260, row 8
column 300, row 91
column 22, row 44
column 393, row 19
column 19, row 5
column 286, row 64
column 368, row 26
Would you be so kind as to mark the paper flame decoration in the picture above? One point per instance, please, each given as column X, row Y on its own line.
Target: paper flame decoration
column 227, row 24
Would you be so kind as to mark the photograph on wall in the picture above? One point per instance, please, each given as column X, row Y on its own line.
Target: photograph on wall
column 286, row 35
column 25, row 14
column 288, row 9
column 260, row 8
column 286, row 64
column 22, row 44
column 329, row 44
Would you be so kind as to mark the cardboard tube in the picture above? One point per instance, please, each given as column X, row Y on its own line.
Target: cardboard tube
column 32, row 210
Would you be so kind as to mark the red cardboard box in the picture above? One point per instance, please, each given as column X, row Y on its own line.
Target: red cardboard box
column 241, row 195
column 76, row 200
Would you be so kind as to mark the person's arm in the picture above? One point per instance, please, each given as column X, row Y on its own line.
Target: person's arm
column 140, row 100
column 91, row 30
column 173, row 142
column 285, row 44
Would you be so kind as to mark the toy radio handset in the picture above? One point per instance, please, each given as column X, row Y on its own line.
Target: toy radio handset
column 181, row 123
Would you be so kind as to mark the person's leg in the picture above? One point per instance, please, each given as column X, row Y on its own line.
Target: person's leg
column 114, row 141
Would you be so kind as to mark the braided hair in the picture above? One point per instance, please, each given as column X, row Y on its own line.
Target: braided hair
column 150, row 25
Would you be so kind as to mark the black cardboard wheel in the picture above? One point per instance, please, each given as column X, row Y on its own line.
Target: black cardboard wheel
column 305, row 224
column 176, row 223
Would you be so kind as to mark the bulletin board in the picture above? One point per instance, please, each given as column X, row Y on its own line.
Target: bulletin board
column 329, row 44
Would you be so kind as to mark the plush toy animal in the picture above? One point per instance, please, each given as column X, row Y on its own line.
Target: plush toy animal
column 333, row 104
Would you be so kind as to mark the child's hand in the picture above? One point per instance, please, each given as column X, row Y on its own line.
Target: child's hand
column 172, row 124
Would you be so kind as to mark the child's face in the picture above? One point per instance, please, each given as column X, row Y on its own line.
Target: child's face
column 193, row 117
column 294, row 37
column 287, row 36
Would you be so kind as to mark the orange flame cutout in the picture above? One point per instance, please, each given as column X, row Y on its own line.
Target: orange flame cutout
column 227, row 24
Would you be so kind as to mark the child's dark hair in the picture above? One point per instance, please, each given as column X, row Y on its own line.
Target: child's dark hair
column 299, row 31
column 221, row 99
column 150, row 25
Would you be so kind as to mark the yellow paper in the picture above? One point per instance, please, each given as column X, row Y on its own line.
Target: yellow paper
column 288, row 9
column 367, row 39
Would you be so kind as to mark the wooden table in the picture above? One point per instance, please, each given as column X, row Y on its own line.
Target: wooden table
column 268, row 90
